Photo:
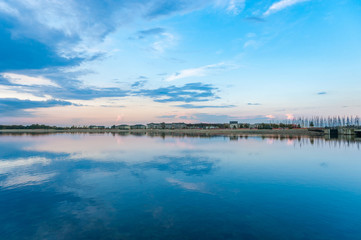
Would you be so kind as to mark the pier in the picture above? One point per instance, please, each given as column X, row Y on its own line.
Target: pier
column 358, row 133
column 342, row 131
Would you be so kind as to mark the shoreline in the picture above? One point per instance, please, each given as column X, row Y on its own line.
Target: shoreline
column 283, row 132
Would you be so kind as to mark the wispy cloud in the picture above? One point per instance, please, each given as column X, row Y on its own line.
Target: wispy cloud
column 58, row 85
column 41, row 40
column 20, row 79
column 5, row 8
column 253, row 104
column 201, row 71
column 164, row 40
column 168, row 116
column 236, row 6
column 26, row 53
column 255, row 19
column 251, row 43
column 87, row 93
column 204, row 106
column 17, row 107
column 191, row 92
column 149, row 32
column 41, row 34
column 49, row 93
column 161, row 8
column 139, row 84
column 322, row 93
column 161, row 39
column 280, row 5
column 48, row 33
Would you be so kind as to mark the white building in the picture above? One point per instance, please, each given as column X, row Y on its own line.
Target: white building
column 233, row 124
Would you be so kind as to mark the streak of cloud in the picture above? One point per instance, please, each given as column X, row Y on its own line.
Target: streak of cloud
column 191, row 92
column 280, row 5
column 201, row 71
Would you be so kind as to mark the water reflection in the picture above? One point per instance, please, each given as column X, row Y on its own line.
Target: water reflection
column 114, row 186
column 190, row 165
column 350, row 139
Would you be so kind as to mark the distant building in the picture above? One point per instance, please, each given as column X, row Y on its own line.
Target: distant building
column 179, row 125
column 254, row 126
column 123, row 127
column 204, row 126
column 138, row 126
column 166, row 125
column 96, row 127
column 233, row 124
column 154, row 126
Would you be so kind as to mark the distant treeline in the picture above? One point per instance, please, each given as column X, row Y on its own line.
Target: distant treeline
column 33, row 126
column 38, row 126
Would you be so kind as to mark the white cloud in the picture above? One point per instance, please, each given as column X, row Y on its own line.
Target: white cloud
column 67, row 26
column 251, row 35
column 290, row 116
column 17, row 92
column 66, row 16
column 5, row 8
column 251, row 43
column 166, row 40
column 236, row 6
column 75, row 29
column 231, row 6
column 278, row 6
column 27, row 80
column 201, row 71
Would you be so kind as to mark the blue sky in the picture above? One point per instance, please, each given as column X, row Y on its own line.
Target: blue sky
column 109, row 62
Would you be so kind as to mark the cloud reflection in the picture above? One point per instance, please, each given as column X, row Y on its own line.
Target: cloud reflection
column 8, row 165
column 26, row 180
column 190, row 165
column 198, row 187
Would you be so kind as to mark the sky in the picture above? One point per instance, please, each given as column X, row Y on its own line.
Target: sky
column 67, row 62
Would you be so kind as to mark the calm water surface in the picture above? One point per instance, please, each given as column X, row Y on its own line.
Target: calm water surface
column 104, row 186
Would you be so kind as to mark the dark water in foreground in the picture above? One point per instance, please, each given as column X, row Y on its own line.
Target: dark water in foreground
column 102, row 186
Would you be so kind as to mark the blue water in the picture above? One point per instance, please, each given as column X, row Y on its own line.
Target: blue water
column 104, row 186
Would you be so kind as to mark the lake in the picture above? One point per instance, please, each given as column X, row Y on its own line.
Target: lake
column 111, row 186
